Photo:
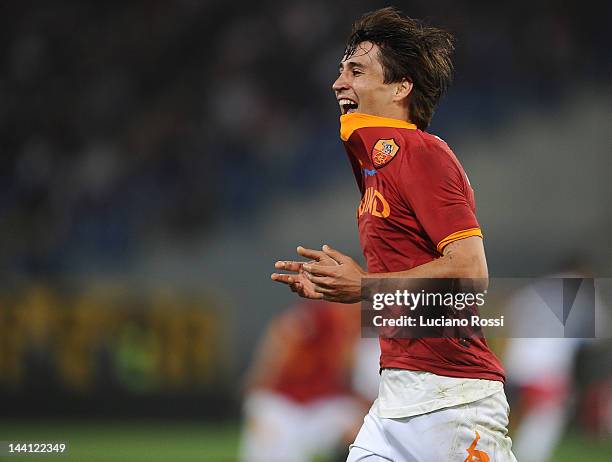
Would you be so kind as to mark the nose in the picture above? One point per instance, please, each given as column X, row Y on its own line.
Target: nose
column 341, row 83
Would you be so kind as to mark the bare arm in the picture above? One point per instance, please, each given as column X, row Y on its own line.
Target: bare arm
column 462, row 259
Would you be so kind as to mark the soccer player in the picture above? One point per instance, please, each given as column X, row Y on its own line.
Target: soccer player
column 307, row 390
column 540, row 369
column 440, row 399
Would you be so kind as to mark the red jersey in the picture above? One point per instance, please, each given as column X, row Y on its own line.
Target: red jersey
column 415, row 200
column 317, row 341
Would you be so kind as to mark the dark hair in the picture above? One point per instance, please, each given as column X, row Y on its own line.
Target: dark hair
column 408, row 49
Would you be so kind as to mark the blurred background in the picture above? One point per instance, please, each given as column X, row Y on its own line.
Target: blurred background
column 157, row 157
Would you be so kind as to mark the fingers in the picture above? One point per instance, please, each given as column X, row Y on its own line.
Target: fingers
column 284, row 278
column 314, row 296
column 313, row 255
column 320, row 281
column 320, row 288
column 324, row 290
column 293, row 266
column 310, row 253
column 322, row 285
column 320, row 270
column 291, row 281
column 299, row 288
column 339, row 257
column 296, row 286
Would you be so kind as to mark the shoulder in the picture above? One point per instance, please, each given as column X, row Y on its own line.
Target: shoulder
column 426, row 150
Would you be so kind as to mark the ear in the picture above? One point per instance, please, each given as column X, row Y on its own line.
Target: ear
column 402, row 89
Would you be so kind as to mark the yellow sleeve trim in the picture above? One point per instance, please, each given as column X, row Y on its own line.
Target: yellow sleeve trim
column 351, row 122
column 458, row 235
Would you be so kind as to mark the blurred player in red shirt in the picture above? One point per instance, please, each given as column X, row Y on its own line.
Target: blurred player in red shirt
column 305, row 393
column 440, row 399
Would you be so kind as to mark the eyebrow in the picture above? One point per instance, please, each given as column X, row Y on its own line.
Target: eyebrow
column 350, row 64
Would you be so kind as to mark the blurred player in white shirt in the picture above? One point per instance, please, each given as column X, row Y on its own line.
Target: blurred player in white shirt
column 541, row 369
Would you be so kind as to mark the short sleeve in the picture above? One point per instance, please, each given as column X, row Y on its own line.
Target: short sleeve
column 436, row 189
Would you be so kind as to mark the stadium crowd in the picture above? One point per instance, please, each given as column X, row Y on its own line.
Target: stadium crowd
column 125, row 124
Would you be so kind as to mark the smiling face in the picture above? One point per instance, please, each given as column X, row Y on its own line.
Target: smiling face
column 361, row 86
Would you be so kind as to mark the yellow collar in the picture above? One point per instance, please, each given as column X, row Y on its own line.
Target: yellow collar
column 351, row 122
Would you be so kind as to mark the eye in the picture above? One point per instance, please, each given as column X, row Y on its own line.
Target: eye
column 357, row 72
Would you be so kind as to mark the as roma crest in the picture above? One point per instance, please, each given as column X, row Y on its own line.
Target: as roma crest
column 383, row 152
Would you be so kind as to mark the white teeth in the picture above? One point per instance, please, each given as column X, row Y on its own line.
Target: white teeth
column 347, row 105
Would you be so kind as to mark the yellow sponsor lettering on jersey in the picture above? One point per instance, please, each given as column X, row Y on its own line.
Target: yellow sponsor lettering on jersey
column 374, row 203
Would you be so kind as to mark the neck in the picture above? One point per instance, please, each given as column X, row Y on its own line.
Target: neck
column 396, row 112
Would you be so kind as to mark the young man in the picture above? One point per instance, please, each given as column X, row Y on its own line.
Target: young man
column 440, row 399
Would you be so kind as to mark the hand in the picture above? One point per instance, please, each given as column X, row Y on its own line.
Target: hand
column 339, row 283
column 298, row 282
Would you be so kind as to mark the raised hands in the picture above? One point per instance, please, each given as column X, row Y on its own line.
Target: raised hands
column 297, row 280
column 329, row 275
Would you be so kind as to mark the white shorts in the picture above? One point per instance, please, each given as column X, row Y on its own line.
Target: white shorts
column 473, row 432
column 280, row 430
